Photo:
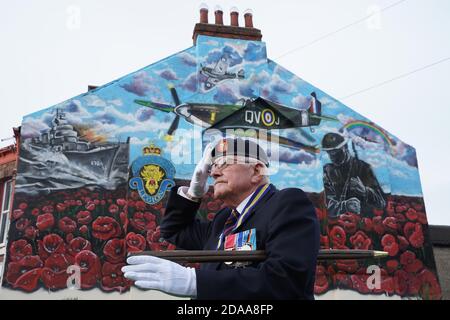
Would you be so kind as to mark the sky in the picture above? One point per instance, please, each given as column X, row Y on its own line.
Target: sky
column 51, row 51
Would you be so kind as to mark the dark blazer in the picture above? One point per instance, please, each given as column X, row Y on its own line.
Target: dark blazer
column 286, row 228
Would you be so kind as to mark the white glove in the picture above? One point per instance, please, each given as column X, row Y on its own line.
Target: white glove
column 150, row 272
column 198, row 186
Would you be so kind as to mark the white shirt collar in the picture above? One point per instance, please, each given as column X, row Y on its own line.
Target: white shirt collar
column 244, row 202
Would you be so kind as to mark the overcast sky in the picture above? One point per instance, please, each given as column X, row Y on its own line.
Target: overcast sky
column 51, row 50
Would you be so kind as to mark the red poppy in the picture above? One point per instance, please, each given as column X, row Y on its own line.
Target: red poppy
column 48, row 209
column 414, row 284
column 84, row 230
column 113, row 209
column 23, row 206
column 31, row 232
column 45, row 221
column 210, row 216
column 349, row 266
column 77, row 245
column 54, row 275
column 84, row 217
column 411, row 214
column 105, row 228
column 409, row 261
column 361, row 241
column 337, row 236
column 60, row 207
column 390, row 244
column 408, row 229
column 113, row 279
column 359, row 283
column 140, row 205
column 342, row 280
column 417, row 239
column 392, row 265
column 367, row 224
column 378, row 225
column 17, row 214
column 114, row 250
column 414, row 233
column 378, row 212
column 67, row 225
column 35, row 212
column 390, row 208
column 29, row 280
column 20, row 249
column 401, row 280
column 50, row 244
column 16, row 269
column 121, row 202
column 69, row 237
column 135, row 242
column 90, row 206
column 390, row 223
column 388, row 285
column 321, row 281
column 430, row 288
column 153, row 235
column 89, row 264
column 403, row 243
column 349, row 221
column 422, row 218
column 143, row 221
column 400, row 218
column 22, row 224
column 124, row 220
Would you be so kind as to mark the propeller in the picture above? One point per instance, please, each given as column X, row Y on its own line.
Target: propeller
column 176, row 121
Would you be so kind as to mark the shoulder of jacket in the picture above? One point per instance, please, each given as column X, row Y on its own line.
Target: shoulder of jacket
column 290, row 192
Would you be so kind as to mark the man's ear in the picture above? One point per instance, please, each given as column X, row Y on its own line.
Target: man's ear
column 258, row 173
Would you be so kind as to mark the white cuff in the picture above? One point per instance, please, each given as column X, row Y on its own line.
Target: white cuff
column 183, row 191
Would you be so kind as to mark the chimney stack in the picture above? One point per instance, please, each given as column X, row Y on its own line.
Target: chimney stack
column 234, row 17
column 248, row 16
column 219, row 15
column 233, row 31
column 203, row 13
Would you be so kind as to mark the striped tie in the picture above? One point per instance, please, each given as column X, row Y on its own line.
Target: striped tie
column 231, row 221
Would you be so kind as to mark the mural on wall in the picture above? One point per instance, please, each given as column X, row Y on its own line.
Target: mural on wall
column 94, row 172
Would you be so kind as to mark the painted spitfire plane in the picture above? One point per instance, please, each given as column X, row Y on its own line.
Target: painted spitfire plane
column 219, row 73
column 253, row 114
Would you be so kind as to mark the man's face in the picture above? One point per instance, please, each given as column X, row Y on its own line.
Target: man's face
column 338, row 156
column 232, row 179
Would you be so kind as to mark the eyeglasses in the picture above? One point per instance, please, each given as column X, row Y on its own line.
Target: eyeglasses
column 224, row 162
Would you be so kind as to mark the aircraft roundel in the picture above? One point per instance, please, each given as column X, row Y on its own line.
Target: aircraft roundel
column 268, row 117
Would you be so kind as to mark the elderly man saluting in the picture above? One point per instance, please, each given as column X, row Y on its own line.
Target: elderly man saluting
column 257, row 216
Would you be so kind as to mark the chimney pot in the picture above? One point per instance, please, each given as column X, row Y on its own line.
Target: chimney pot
column 248, row 17
column 234, row 15
column 203, row 13
column 219, row 15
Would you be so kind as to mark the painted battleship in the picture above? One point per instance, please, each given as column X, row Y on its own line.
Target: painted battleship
column 60, row 158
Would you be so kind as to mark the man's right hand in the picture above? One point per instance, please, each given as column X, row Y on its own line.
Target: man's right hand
column 198, row 187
